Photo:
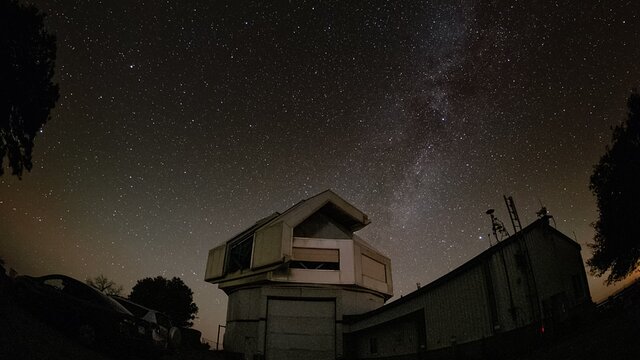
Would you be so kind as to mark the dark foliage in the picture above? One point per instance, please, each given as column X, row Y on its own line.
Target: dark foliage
column 616, row 184
column 105, row 285
column 171, row 297
column 27, row 61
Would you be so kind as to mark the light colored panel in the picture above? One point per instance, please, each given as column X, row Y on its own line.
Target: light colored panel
column 310, row 206
column 215, row 263
column 319, row 255
column 373, row 269
column 267, row 248
column 372, row 273
column 314, row 276
column 374, row 284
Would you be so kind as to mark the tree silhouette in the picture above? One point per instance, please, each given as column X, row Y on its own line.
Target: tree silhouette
column 171, row 297
column 27, row 61
column 616, row 184
column 105, row 285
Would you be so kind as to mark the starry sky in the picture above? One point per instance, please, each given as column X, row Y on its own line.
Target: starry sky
column 180, row 124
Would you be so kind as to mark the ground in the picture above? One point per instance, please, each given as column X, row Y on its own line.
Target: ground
column 611, row 334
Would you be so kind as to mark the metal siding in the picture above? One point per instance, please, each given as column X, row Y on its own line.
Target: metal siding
column 537, row 265
column 457, row 311
column 400, row 337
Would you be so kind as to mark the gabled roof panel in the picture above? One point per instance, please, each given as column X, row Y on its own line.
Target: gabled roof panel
column 335, row 206
column 327, row 201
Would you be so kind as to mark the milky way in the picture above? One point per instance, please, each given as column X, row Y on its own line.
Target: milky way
column 181, row 124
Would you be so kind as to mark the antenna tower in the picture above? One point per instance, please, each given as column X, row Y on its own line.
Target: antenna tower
column 513, row 213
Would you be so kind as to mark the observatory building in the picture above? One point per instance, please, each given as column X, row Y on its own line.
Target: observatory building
column 293, row 276
column 302, row 285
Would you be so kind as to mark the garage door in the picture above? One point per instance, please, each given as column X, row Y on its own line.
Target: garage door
column 300, row 329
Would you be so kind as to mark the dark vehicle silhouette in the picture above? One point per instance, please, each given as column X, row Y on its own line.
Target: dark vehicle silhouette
column 82, row 311
column 163, row 335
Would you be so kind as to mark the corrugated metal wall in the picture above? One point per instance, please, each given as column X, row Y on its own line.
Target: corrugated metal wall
column 457, row 311
column 507, row 289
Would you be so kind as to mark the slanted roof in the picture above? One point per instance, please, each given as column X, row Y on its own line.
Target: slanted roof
column 253, row 228
column 542, row 222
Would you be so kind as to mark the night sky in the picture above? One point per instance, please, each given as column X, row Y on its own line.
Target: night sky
column 180, row 124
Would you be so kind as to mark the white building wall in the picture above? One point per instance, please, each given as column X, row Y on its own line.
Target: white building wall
column 247, row 312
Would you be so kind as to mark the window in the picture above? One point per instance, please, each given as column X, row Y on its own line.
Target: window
column 314, row 265
column 135, row 309
column 239, row 257
column 55, row 283
column 83, row 292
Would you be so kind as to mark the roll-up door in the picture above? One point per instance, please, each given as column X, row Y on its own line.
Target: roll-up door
column 301, row 329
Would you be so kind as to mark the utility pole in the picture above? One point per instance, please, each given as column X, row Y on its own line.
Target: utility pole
column 218, row 337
